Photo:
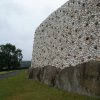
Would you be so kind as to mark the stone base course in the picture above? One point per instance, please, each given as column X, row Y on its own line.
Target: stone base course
column 83, row 78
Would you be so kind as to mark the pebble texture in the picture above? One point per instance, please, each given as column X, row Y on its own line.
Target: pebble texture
column 69, row 36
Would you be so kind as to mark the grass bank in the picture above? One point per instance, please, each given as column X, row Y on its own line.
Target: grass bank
column 21, row 88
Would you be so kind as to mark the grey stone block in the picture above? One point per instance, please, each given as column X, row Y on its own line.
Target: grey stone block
column 83, row 78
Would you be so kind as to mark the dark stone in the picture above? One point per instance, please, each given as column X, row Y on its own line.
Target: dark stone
column 35, row 73
column 83, row 78
column 49, row 75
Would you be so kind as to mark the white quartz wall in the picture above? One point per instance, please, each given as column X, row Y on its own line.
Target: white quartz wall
column 69, row 36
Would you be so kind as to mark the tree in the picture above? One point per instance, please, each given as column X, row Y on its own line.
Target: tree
column 10, row 57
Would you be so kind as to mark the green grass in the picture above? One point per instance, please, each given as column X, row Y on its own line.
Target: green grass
column 5, row 72
column 21, row 88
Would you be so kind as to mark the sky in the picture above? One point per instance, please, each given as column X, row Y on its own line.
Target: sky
column 19, row 20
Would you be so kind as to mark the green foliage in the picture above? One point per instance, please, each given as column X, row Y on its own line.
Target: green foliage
column 21, row 88
column 10, row 57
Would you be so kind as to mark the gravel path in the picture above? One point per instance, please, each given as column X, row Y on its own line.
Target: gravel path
column 9, row 74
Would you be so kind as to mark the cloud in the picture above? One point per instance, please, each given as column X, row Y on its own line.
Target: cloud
column 20, row 18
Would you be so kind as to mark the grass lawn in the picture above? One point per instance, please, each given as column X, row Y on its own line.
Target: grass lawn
column 5, row 72
column 21, row 88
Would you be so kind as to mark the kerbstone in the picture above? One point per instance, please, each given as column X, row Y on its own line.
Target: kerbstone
column 83, row 78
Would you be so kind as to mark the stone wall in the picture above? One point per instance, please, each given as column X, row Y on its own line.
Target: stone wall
column 83, row 78
column 69, row 36
column 66, row 50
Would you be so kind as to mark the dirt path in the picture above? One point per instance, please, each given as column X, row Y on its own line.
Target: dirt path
column 10, row 74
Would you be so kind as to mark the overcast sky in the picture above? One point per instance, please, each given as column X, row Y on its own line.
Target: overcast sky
column 20, row 18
